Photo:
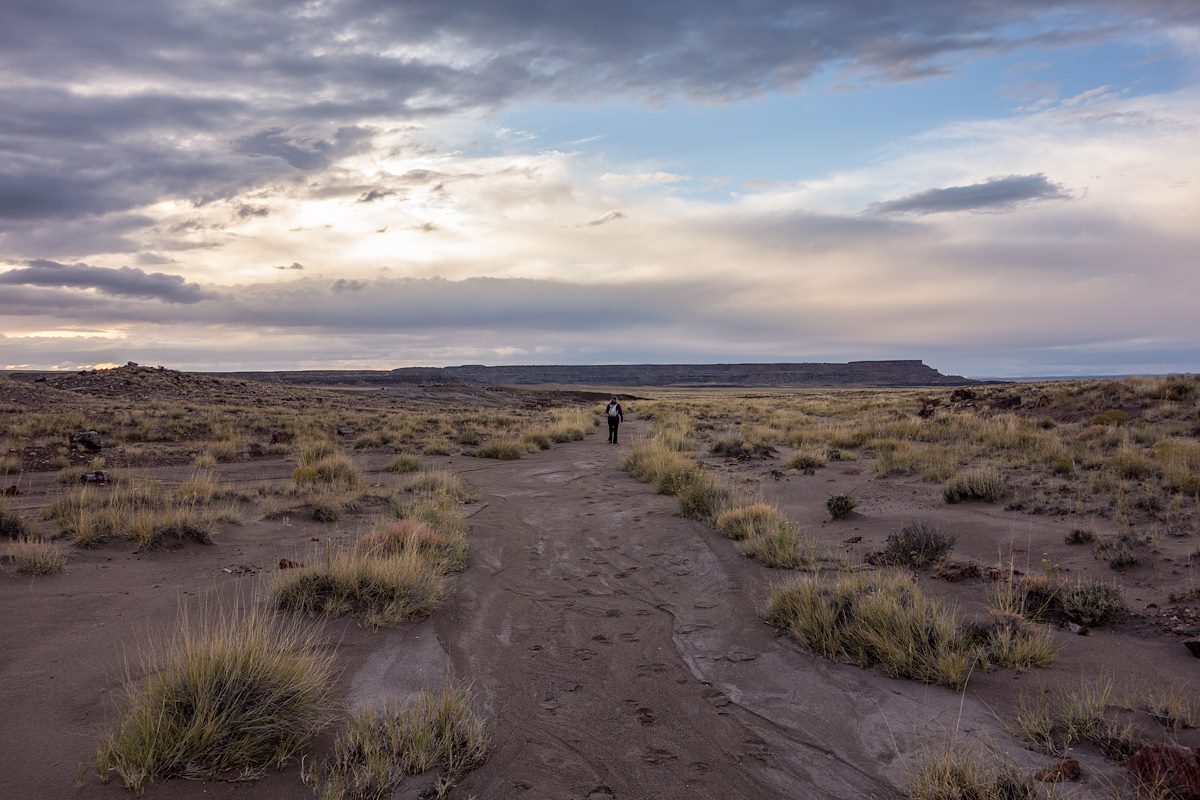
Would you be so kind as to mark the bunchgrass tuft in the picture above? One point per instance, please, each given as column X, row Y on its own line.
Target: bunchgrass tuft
column 404, row 463
column 702, row 496
column 841, row 506
column 380, row 591
column 1057, row 721
column 918, row 544
column 12, row 526
column 397, row 536
column 983, row 483
column 874, row 619
column 1083, row 601
column 744, row 522
column 956, row 773
column 35, row 557
column 230, row 695
column 378, row 749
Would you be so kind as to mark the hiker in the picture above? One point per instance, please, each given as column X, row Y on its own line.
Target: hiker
column 615, row 418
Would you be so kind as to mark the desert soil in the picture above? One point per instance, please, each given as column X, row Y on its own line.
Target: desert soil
column 614, row 647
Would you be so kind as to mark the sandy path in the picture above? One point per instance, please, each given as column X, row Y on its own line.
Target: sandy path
column 617, row 650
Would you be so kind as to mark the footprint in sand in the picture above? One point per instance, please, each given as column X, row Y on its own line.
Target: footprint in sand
column 658, row 755
column 601, row 793
column 646, row 716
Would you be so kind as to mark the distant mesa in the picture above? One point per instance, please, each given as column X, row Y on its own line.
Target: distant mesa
column 853, row 373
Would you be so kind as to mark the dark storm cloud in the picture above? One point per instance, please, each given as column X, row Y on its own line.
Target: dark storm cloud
column 126, row 281
column 260, row 89
column 994, row 194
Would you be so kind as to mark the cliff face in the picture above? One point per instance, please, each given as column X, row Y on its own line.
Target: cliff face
column 854, row 373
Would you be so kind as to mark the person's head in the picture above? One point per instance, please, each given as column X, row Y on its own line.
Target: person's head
column 613, row 399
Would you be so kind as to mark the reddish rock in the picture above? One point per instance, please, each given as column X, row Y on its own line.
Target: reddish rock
column 928, row 407
column 955, row 571
column 1066, row 770
column 1167, row 769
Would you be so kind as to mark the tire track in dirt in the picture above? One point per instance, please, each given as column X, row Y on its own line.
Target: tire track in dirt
column 616, row 649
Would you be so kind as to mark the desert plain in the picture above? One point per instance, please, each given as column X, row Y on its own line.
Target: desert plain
column 219, row 587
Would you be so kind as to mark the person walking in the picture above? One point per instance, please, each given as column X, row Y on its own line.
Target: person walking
column 615, row 418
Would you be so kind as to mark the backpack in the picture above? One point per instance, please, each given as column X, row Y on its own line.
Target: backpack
column 614, row 409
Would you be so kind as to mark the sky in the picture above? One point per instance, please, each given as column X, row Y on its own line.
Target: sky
column 997, row 188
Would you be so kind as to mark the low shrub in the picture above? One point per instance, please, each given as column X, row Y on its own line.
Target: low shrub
column 1083, row 601
column 404, row 463
column 1080, row 536
column 381, row 591
column 984, row 483
column 743, row 522
column 379, row 749
column 806, row 460
column 873, row 619
column 231, row 694
column 1111, row 417
column 502, row 449
column 439, row 484
column 701, row 496
column 35, row 557
column 12, row 526
column 784, row 548
column 439, row 513
column 394, row 537
column 959, row 774
column 841, row 506
column 918, row 544
column 1057, row 721
column 656, row 463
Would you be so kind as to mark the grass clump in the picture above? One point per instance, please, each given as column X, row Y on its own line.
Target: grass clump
column 35, row 557
column 841, row 506
column 918, row 544
column 957, row 774
column 12, row 526
column 656, row 463
column 9, row 465
column 806, row 460
column 873, row 619
column 397, row 536
column 181, row 520
column 405, row 463
column 321, row 464
column 1057, row 721
column 1080, row 536
column 1175, row 706
column 984, row 483
column 1083, row 601
column 231, row 694
column 440, row 484
column 379, row 749
column 784, row 547
column 702, row 497
column 381, row 591
column 502, row 449
column 744, row 522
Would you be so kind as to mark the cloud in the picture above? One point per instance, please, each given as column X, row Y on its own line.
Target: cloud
column 125, row 281
column 296, row 265
column 610, row 216
column 344, row 285
column 375, row 194
column 994, row 194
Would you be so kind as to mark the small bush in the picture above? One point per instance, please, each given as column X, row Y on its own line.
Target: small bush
column 394, row 537
column 502, row 449
column 984, row 484
column 783, row 548
column 957, row 774
column 404, row 463
column 379, row 748
column 439, row 513
column 1064, row 465
column 11, row 524
column 231, row 694
column 148, row 527
column 334, row 468
column 35, row 557
column 743, row 522
column 1080, row 536
column 841, row 506
column 806, row 460
column 1086, row 602
column 1118, row 554
column 439, row 483
column 381, row 591
column 918, row 544
column 702, row 497
column 1058, row 721
column 873, row 619
column 537, row 440
column 1174, row 706
column 658, row 464
column 1112, row 417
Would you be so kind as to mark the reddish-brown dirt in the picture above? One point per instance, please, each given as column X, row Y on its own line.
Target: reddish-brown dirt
column 615, row 648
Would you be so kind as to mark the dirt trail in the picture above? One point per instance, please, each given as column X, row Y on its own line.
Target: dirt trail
column 617, row 650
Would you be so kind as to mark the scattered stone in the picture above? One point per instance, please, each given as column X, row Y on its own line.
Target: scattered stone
column 281, row 437
column 854, row 540
column 11, row 491
column 86, row 440
column 962, row 395
column 928, row 407
column 1005, row 402
column 955, row 571
column 345, row 430
column 287, row 563
column 1078, row 630
column 738, row 654
column 1066, row 770
column 1168, row 770
column 1193, row 646
column 95, row 476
